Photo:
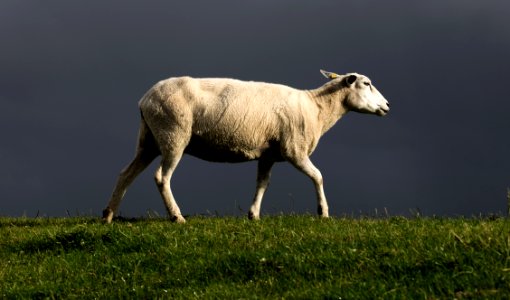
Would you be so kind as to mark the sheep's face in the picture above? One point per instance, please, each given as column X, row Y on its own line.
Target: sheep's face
column 363, row 97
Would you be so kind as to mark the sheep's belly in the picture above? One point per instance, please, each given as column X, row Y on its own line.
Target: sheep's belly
column 206, row 150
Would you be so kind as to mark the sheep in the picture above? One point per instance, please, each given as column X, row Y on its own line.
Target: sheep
column 228, row 120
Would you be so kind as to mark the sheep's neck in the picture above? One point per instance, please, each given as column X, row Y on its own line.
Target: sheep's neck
column 330, row 106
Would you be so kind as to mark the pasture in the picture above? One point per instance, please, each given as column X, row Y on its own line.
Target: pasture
column 275, row 258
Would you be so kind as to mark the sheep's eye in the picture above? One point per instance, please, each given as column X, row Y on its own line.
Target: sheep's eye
column 366, row 83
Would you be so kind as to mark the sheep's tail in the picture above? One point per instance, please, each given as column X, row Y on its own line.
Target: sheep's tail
column 146, row 141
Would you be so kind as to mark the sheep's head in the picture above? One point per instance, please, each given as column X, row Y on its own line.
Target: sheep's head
column 361, row 96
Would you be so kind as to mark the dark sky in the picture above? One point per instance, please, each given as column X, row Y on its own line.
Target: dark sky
column 71, row 74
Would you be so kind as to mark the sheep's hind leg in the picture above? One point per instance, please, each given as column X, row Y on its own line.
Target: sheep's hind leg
column 306, row 166
column 163, row 176
column 146, row 151
column 263, row 176
column 126, row 177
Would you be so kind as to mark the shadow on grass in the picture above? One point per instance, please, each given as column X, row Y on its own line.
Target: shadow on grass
column 65, row 241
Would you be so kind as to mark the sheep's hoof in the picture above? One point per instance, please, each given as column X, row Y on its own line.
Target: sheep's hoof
column 252, row 216
column 323, row 213
column 107, row 215
column 178, row 219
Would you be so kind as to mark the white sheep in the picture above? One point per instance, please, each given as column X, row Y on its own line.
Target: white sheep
column 227, row 120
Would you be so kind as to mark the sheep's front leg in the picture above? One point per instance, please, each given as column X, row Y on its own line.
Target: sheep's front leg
column 306, row 166
column 263, row 175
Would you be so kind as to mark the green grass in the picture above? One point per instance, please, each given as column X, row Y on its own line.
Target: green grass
column 277, row 257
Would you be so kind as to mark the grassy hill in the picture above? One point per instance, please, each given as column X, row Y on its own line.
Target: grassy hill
column 277, row 257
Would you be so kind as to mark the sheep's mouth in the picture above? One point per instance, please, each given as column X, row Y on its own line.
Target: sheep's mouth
column 382, row 111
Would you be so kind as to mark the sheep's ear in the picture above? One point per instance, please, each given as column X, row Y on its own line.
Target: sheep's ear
column 329, row 75
column 351, row 79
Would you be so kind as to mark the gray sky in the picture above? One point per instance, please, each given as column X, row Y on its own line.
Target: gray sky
column 71, row 74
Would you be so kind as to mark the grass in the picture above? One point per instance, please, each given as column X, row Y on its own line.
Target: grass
column 277, row 257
